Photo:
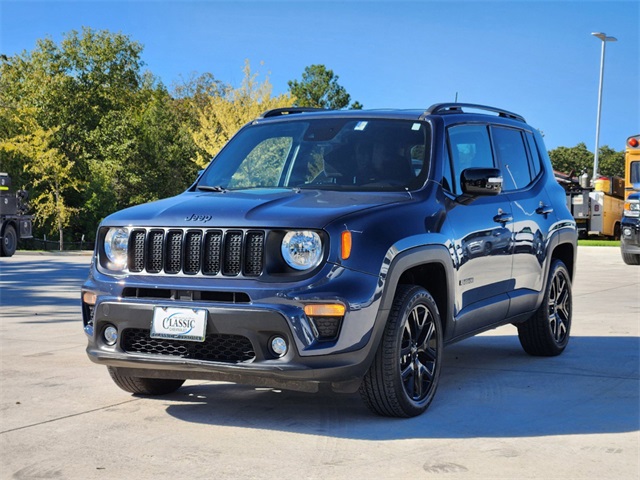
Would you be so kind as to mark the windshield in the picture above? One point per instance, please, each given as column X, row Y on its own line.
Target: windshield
column 336, row 153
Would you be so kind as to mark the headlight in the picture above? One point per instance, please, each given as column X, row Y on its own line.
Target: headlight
column 302, row 250
column 116, row 247
column 632, row 208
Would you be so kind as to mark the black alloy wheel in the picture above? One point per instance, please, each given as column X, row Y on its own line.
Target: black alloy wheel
column 546, row 333
column 403, row 378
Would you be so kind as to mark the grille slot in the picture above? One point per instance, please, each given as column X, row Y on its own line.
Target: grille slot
column 208, row 252
column 136, row 262
column 192, row 253
column 232, row 253
column 212, row 251
column 215, row 348
column 173, row 262
column 155, row 248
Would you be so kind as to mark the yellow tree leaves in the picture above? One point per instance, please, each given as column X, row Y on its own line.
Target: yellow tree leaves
column 50, row 170
column 222, row 115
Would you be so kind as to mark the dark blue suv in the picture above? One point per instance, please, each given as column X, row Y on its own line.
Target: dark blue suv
column 338, row 248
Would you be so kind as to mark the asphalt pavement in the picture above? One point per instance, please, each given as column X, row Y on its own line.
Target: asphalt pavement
column 498, row 413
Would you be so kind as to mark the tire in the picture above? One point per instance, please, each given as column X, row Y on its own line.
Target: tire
column 546, row 333
column 631, row 258
column 403, row 377
column 9, row 241
column 144, row 386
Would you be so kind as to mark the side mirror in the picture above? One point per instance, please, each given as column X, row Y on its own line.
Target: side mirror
column 478, row 182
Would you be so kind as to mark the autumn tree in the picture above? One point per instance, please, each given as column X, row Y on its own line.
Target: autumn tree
column 319, row 88
column 221, row 115
column 51, row 170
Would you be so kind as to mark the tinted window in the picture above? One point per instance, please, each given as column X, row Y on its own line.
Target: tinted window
column 470, row 147
column 328, row 153
column 534, row 165
column 512, row 157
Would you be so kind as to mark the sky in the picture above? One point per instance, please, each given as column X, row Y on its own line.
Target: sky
column 536, row 57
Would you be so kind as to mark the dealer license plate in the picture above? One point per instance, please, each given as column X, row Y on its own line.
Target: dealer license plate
column 179, row 323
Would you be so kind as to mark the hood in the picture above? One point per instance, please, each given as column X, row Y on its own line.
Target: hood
column 255, row 208
column 634, row 196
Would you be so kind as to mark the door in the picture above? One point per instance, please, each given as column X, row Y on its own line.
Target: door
column 533, row 217
column 483, row 237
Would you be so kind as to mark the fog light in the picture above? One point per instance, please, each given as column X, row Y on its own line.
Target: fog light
column 626, row 232
column 110, row 335
column 279, row 346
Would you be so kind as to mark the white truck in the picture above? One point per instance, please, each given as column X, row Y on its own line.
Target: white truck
column 598, row 209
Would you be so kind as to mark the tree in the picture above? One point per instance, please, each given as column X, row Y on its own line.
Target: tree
column 319, row 88
column 51, row 171
column 572, row 159
column 115, row 128
column 69, row 89
column 221, row 115
column 579, row 159
column 610, row 162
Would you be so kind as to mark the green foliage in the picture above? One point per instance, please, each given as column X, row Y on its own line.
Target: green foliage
column 50, row 169
column 610, row 162
column 579, row 159
column 575, row 159
column 319, row 88
column 119, row 133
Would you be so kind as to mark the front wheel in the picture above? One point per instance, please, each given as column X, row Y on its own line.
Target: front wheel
column 631, row 258
column 546, row 333
column 9, row 241
column 144, row 386
column 403, row 378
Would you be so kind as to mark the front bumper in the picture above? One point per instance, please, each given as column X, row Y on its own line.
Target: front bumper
column 272, row 310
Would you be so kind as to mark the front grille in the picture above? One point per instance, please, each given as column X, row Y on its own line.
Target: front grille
column 229, row 253
column 215, row 348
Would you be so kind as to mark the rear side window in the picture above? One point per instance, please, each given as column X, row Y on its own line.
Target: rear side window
column 512, row 158
column 534, row 165
column 469, row 146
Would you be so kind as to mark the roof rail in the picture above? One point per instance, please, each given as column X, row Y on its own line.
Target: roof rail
column 276, row 112
column 457, row 108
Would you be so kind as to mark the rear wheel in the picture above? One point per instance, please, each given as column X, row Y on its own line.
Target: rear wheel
column 144, row 386
column 403, row 378
column 546, row 333
column 9, row 241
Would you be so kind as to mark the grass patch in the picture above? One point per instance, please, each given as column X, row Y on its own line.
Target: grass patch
column 598, row 243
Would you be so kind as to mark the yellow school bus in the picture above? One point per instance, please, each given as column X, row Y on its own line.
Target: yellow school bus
column 632, row 165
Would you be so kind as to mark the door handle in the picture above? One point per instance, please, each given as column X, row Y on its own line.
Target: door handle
column 544, row 209
column 503, row 218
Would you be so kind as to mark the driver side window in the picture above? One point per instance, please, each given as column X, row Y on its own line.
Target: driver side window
column 469, row 146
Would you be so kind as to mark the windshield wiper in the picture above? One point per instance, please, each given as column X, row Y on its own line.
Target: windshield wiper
column 209, row 188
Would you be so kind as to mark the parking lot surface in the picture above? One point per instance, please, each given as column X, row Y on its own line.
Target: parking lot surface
column 498, row 413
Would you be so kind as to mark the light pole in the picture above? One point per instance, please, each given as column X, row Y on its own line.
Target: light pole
column 605, row 39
